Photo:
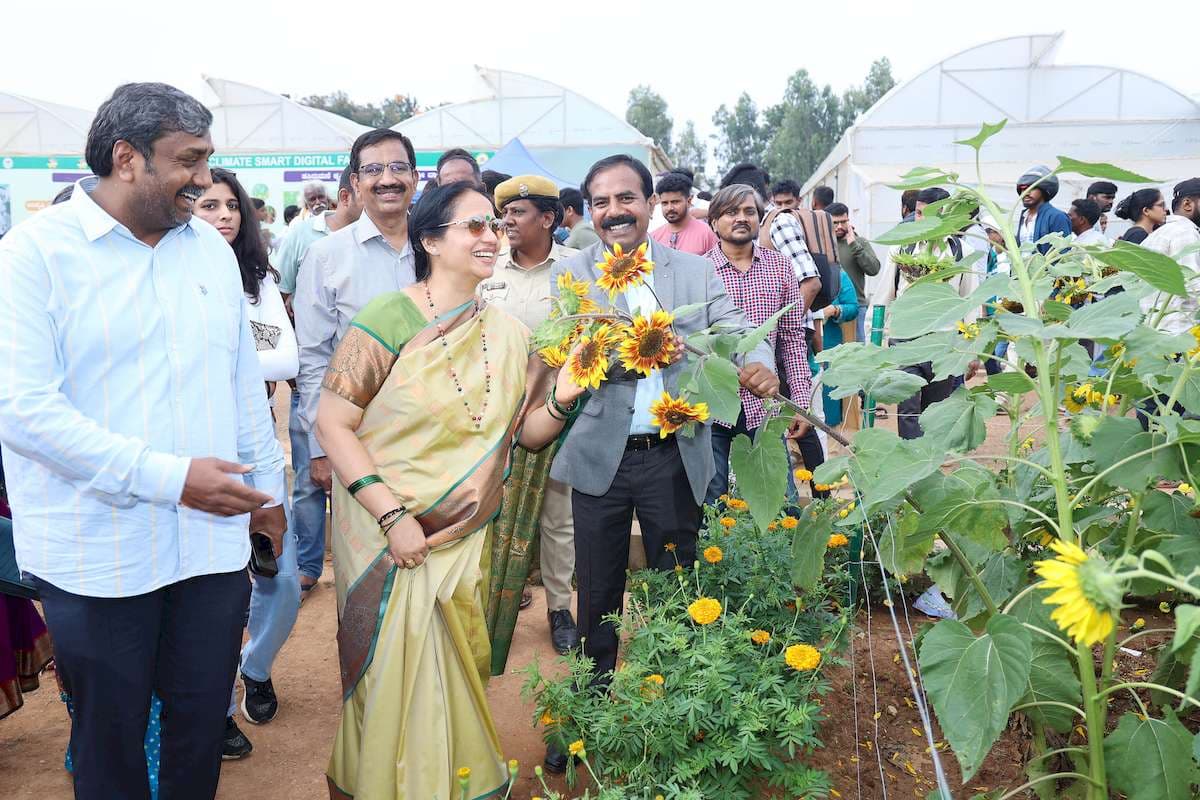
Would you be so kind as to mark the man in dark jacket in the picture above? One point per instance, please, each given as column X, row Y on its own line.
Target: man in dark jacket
column 1039, row 217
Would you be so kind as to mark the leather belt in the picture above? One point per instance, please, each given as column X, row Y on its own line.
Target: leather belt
column 646, row 441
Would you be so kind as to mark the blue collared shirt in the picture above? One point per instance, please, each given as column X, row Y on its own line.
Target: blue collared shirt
column 641, row 300
column 119, row 363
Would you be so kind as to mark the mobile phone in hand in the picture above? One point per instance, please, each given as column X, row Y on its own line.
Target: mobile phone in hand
column 262, row 556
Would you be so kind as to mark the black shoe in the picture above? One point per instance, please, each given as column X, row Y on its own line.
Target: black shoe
column 259, row 704
column 556, row 760
column 563, row 633
column 236, row 745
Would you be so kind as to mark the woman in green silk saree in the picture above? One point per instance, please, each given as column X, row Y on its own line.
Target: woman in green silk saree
column 422, row 404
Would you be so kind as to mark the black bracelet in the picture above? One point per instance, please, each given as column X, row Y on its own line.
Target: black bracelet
column 397, row 512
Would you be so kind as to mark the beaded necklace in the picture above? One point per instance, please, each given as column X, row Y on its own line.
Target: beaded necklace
column 476, row 419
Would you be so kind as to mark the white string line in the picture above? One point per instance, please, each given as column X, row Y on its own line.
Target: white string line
column 904, row 606
column 854, row 699
column 874, row 685
column 909, row 671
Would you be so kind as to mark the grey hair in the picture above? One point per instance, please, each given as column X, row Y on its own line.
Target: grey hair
column 141, row 113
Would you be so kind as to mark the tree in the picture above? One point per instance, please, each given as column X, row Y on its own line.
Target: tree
column 858, row 99
column 392, row 110
column 740, row 136
column 690, row 152
column 647, row 111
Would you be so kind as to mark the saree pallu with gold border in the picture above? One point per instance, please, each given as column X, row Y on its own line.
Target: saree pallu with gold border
column 413, row 643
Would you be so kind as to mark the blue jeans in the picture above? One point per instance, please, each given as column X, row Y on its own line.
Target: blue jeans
column 860, row 322
column 722, row 441
column 308, row 502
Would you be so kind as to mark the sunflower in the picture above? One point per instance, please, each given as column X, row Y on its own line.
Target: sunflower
column 555, row 356
column 760, row 637
column 802, row 657
column 620, row 271
column 713, row 554
column 1071, row 403
column 670, row 414
column 838, row 540
column 649, row 343
column 569, row 288
column 705, row 610
column 589, row 364
column 1086, row 592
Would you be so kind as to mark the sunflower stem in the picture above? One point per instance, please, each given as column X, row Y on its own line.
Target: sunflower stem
column 972, row 575
column 1096, row 712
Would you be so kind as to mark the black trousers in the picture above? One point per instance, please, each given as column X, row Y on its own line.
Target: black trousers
column 908, row 411
column 181, row 641
column 653, row 483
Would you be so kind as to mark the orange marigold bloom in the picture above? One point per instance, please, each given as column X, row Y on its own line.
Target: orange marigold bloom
column 838, row 540
column 713, row 554
column 789, row 523
column 760, row 637
column 705, row 610
column 737, row 504
column 670, row 414
column 728, row 522
column 620, row 270
column 802, row 657
column 803, row 475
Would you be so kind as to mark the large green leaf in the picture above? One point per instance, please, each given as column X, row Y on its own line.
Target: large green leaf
column 1187, row 619
column 955, row 502
column 987, row 131
column 960, row 421
column 759, row 335
column 809, row 542
column 1051, row 678
column 887, row 465
column 1002, row 575
column 902, row 548
column 1111, row 318
column 973, row 682
column 761, row 470
column 888, row 386
column 1160, row 271
column 1120, row 438
column 1016, row 382
column 1091, row 169
column 852, row 364
column 1021, row 325
column 925, row 308
column 1169, row 513
column 1151, row 759
column 923, row 230
column 716, row 383
column 924, row 177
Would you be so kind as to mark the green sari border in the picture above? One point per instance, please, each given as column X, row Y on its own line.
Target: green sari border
column 490, row 451
column 376, row 337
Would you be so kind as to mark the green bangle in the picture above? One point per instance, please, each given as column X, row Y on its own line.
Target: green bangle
column 566, row 412
column 364, row 481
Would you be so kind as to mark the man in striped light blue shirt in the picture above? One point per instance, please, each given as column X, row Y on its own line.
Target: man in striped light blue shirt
column 138, row 444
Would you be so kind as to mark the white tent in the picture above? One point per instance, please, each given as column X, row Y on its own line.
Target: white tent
column 1091, row 113
column 564, row 130
column 247, row 119
column 34, row 127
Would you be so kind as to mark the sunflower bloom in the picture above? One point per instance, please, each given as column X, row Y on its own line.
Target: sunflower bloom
column 589, row 364
column 670, row 413
column 713, row 554
column 555, row 356
column 760, row 637
column 802, row 657
column 705, row 610
column 1071, row 404
column 789, row 523
column 620, row 270
column 649, row 343
column 838, row 540
column 1086, row 594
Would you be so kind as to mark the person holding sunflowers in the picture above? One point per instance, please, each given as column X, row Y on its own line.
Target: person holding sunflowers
column 622, row 454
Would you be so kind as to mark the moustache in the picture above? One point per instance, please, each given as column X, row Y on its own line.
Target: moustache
column 191, row 192
column 612, row 222
column 395, row 187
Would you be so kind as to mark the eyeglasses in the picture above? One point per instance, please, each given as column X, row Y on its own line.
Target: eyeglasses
column 477, row 223
column 374, row 170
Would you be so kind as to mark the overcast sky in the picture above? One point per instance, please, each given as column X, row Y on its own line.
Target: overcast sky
column 697, row 54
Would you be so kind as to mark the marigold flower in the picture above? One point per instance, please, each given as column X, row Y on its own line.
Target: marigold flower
column 738, row 504
column 678, row 569
column 1086, row 593
column 822, row 487
column 802, row 657
column 547, row 719
column 655, row 678
column 838, row 540
column 802, row 475
column 713, row 554
column 589, row 364
column 464, row 773
column 728, row 522
column 760, row 637
column 649, row 343
column 1138, row 624
column 669, row 547
column 789, row 523
column 843, row 513
column 576, row 747
column 772, row 526
column 705, row 610
column 620, row 271
column 670, row 414
column 1184, row 488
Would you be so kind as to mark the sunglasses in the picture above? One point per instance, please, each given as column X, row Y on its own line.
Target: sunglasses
column 477, row 223
column 374, row 170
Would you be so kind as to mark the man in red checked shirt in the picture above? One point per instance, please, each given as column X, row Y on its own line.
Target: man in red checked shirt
column 759, row 282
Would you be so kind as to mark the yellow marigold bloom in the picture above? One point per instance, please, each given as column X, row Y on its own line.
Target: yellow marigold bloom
column 1185, row 488
column 656, row 678
column 728, row 522
column 789, row 523
column 760, row 637
column 738, row 504
column 589, row 364
column 772, row 526
column 620, row 270
column 724, row 499
column 822, row 487
column 554, row 356
column 1086, row 595
column 705, row 610
column 1138, row 624
column 649, row 343
column 843, row 513
column 464, row 773
column 576, row 747
column 838, row 540
column 669, row 547
column 802, row 657
column 670, row 413
column 802, row 475
column 547, row 719
column 713, row 554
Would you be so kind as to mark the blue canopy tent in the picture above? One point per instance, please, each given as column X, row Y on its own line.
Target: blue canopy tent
column 515, row 159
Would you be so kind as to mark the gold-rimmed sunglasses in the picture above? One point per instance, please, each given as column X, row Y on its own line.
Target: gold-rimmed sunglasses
column 477, row 223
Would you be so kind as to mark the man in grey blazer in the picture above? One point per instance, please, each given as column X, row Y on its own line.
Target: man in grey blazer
column 613, row 457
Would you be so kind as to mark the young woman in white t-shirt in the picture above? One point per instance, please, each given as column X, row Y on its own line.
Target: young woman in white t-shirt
column 274, row 601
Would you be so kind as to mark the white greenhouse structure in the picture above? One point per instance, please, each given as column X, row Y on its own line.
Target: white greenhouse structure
column 41, row 151
column 565, row 131
column 1090, row 113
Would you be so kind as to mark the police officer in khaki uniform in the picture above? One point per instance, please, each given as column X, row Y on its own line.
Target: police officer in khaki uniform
column 521, row 286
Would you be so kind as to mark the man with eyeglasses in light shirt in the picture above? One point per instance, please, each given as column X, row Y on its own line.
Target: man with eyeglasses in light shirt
column 339, row 275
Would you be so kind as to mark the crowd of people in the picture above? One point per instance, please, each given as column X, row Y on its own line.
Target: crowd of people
column 151, row 317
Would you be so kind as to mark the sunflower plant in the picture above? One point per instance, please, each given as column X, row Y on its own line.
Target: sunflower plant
column 1040, row 547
